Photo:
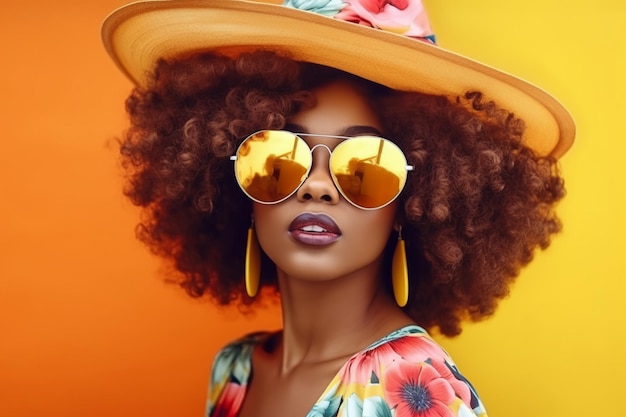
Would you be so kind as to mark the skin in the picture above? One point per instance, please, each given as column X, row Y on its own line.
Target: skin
column 333, row 305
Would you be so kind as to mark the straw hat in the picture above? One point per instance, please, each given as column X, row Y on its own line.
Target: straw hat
column 389, row 42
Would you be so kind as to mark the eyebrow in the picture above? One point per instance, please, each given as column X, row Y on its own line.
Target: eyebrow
column 349, row 131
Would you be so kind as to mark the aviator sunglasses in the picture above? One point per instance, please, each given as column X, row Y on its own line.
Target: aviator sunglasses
column 369, row 171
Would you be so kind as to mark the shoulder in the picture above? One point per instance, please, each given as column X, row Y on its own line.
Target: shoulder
column 409, row 344
column 409, row 372
column 231, row 370
column 235, row 355
column 241, row 345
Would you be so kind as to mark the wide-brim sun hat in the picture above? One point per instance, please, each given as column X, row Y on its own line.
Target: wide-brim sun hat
column 387, row 42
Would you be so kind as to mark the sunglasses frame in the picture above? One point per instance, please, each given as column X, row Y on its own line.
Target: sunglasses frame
column 308, row 171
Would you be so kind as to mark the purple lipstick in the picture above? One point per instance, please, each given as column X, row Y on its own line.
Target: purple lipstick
column 314, row 229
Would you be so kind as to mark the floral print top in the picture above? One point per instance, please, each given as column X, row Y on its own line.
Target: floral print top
column 404, row 374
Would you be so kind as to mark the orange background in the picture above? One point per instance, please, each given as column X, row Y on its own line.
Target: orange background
column 87, row 327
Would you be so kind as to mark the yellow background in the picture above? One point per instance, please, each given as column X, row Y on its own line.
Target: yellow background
column 88, row 328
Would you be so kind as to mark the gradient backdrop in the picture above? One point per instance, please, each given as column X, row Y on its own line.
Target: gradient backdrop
column 88, row 328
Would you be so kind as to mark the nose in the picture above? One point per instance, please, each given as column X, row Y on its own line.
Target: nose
column 319, row 185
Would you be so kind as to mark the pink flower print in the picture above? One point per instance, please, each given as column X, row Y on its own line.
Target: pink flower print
column 415, row 348
column 230, row 401
column 460, row 388
column 417, row 389
column 364, row 367
column 404, row 17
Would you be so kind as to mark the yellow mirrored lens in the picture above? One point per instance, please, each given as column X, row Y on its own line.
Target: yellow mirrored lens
column 368, row 170
column 271, row 165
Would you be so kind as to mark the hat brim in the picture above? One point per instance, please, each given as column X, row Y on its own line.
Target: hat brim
column 138, row 34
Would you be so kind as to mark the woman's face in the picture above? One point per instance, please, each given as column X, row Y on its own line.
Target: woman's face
column 316, row 234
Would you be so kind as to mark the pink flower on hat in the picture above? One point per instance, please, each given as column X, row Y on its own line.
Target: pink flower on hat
column 404, row 17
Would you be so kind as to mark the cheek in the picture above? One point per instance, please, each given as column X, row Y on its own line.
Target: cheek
column 374, row 228
column 370, row 232
column 269, row 220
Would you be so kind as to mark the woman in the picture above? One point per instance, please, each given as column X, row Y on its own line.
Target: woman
column 332, row 175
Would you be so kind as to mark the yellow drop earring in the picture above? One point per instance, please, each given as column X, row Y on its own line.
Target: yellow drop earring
column 253, row 263
column 400, row 273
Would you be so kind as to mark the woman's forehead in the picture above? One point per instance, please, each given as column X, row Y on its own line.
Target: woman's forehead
column 338, row 108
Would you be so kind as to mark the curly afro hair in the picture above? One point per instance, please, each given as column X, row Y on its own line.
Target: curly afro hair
column 474, row 211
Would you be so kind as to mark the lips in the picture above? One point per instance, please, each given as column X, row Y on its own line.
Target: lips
column 314, row 229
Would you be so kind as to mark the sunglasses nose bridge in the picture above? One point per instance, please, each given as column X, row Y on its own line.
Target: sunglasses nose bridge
column 319, row 184
column 315, row 147
column 321, row 145
column 320, row 159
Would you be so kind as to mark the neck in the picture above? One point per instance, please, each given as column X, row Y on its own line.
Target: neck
column 328, row 320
